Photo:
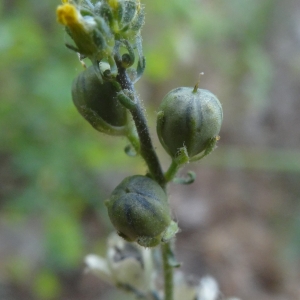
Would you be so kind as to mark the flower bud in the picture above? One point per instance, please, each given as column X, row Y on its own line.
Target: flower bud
column 129, row 17
column 189, row 118
column 80, row 28
column 97, row 102
column 139, row 210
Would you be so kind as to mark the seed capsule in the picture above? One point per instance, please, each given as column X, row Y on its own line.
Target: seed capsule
column 97, row 102
column 139, row 210
column 190, row 118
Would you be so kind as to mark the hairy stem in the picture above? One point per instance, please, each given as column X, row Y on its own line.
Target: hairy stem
column 149, row 154
column 172, row 171
column 133, row 139
column 168, row 270
column 146, row 147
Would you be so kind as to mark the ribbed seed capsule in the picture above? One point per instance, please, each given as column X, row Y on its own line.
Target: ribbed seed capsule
column 139, row 210
column 190, row 118
column 97, row 102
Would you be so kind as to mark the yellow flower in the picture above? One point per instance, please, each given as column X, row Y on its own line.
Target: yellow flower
column 67, row 15
column 80, row 28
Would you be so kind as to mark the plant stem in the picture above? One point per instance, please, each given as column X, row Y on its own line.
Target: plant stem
column 168, row 270
column 173, row 169
column 146, row 147
column 149, row 154
column 133, row 139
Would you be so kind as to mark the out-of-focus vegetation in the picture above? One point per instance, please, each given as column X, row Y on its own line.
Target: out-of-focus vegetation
column 55, row 170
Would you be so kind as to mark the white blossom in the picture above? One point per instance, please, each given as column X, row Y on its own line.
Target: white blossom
column 125, row 263
column 208, row 289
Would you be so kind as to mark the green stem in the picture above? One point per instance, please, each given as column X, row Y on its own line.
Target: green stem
column 149, row 154
column 177, row 162
column 146, row 148
column 133, row 139
column 168, row 271
column 173, row 169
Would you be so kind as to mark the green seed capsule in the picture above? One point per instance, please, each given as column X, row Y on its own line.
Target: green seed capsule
column 97, row 102
column 189, row 118
column 139, row 210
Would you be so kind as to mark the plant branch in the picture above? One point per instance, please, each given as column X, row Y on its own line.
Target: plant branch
column 148, row 153
column 172, row 171
column 167, row 255
column 146, row 147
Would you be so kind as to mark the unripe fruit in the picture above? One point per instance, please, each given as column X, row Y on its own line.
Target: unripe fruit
column 139, row 210
column 97, row 102
column 190, row 118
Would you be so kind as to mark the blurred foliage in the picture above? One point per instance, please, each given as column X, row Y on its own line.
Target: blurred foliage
column 47, row 285
column 52, row 156
column 52, row 161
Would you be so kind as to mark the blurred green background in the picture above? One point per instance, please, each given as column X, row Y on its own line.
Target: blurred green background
column 240, row 221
